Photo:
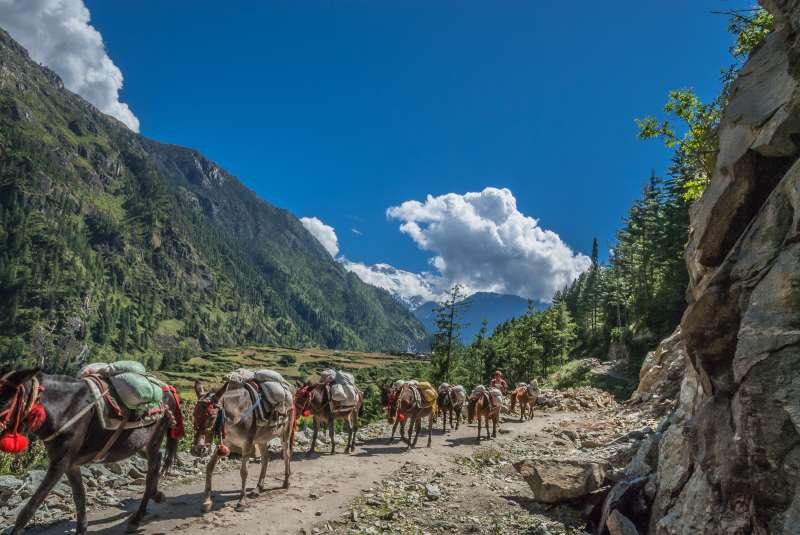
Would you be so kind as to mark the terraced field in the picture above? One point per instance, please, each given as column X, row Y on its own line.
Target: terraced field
column 292, row 363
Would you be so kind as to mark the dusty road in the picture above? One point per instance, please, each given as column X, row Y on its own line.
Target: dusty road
column 321, row 488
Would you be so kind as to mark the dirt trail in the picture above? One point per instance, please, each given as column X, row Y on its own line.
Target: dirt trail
column 334, row 481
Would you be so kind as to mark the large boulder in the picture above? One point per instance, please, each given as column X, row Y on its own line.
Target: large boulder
column 729, row 462
column 559, row 480
column 662, row 372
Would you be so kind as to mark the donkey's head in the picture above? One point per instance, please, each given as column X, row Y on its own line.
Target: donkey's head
column 302, row 397
column 20, row 411
column 204, row 419
column 389, row 396
column 472, row 407
column 443, row 398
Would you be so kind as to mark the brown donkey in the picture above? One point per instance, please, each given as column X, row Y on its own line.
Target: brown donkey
column 232, row 414
column 407, row 402
column 484, row 403
column 314, row 400
column 451, row 402
column 526, row 396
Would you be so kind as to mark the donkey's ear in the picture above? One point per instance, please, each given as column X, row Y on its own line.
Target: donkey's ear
column 220, row 391
column 199, row 389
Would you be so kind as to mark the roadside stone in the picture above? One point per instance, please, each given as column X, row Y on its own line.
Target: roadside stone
column 557, row 480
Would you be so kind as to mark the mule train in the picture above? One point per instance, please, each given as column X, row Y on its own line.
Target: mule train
column 110, row 412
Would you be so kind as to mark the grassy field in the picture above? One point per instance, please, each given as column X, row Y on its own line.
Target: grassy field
column 291, row 363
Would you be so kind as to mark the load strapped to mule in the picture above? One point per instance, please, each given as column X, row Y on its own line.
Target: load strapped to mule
column 128, row 397
column 342, row 385
column 271, row 395
column 424, row 394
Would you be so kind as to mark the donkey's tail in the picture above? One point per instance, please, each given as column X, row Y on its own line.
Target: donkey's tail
column 171, row 454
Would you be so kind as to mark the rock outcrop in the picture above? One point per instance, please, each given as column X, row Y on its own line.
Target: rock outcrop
column 729, row 456
column 661, row 374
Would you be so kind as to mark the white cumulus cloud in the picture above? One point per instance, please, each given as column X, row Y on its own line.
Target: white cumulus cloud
column 413, row 288
column 324, row 234
column 57, row 34
column 481, row 240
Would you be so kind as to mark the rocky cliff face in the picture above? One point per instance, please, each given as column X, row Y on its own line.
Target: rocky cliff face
column 729, row 462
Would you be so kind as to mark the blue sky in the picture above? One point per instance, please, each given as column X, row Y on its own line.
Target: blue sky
column 340, row 110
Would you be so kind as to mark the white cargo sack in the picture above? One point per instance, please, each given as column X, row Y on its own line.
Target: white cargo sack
column 328, row 376
column 278, row 396
column 263, row 376
column 343, row 390
column 241, row 375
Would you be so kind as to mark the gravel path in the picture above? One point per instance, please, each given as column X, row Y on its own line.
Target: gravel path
column 323, row 487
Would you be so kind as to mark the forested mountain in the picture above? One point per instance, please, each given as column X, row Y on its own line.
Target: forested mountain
column 115, row 245
column 493, row 307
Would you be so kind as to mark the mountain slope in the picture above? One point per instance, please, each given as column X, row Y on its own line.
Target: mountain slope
column 495, row 308
column 111, row 244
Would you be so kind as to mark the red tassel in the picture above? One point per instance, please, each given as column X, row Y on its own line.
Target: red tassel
column 306, row 413
column 36, row 417
column 223, row 450
column 13, row 443
column 401, row 416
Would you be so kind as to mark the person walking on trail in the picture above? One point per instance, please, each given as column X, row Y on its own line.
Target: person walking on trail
column 499, row 382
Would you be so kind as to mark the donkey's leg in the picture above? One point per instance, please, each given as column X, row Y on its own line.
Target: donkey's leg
column 79, row 495
column 332, row 433
column 479, row 427
column 151, row 483
column 287, row 456
column 243, row 473
column 430, row 429
column 494, row 425
column 264, row 464
column 314, row 437
column 349, row 428
column 418, row 427
column 206, row 507
column 57, row 468
column 394, row 428
column 355, row 431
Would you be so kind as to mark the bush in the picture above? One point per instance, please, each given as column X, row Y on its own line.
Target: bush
column 287, row 360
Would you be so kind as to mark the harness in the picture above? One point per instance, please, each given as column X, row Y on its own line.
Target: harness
column 21, row 411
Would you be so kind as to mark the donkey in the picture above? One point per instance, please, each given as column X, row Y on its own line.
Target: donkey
column 387, row 393
column 482, row 404
column 526, row 396
column 315, row 400
column 233, row 403
column 451, row 402
column 62, row 412
column 402, row 404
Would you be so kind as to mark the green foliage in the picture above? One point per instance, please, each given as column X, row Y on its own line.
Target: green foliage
column 114, row 246
column 446, row 338
column 691, row 128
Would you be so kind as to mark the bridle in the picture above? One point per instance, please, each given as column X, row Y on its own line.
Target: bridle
column 207, row 410
column 23, row 410
column 305, row 393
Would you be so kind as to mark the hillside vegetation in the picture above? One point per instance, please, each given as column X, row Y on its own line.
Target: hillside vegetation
column 115, row 245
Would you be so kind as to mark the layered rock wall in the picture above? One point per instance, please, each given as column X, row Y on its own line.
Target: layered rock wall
column 729, row 462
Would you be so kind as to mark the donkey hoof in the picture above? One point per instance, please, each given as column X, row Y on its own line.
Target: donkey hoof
column 159, row 497
column 286, row 483
column 240, row 507
column 132, row 526
column 206, row 507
